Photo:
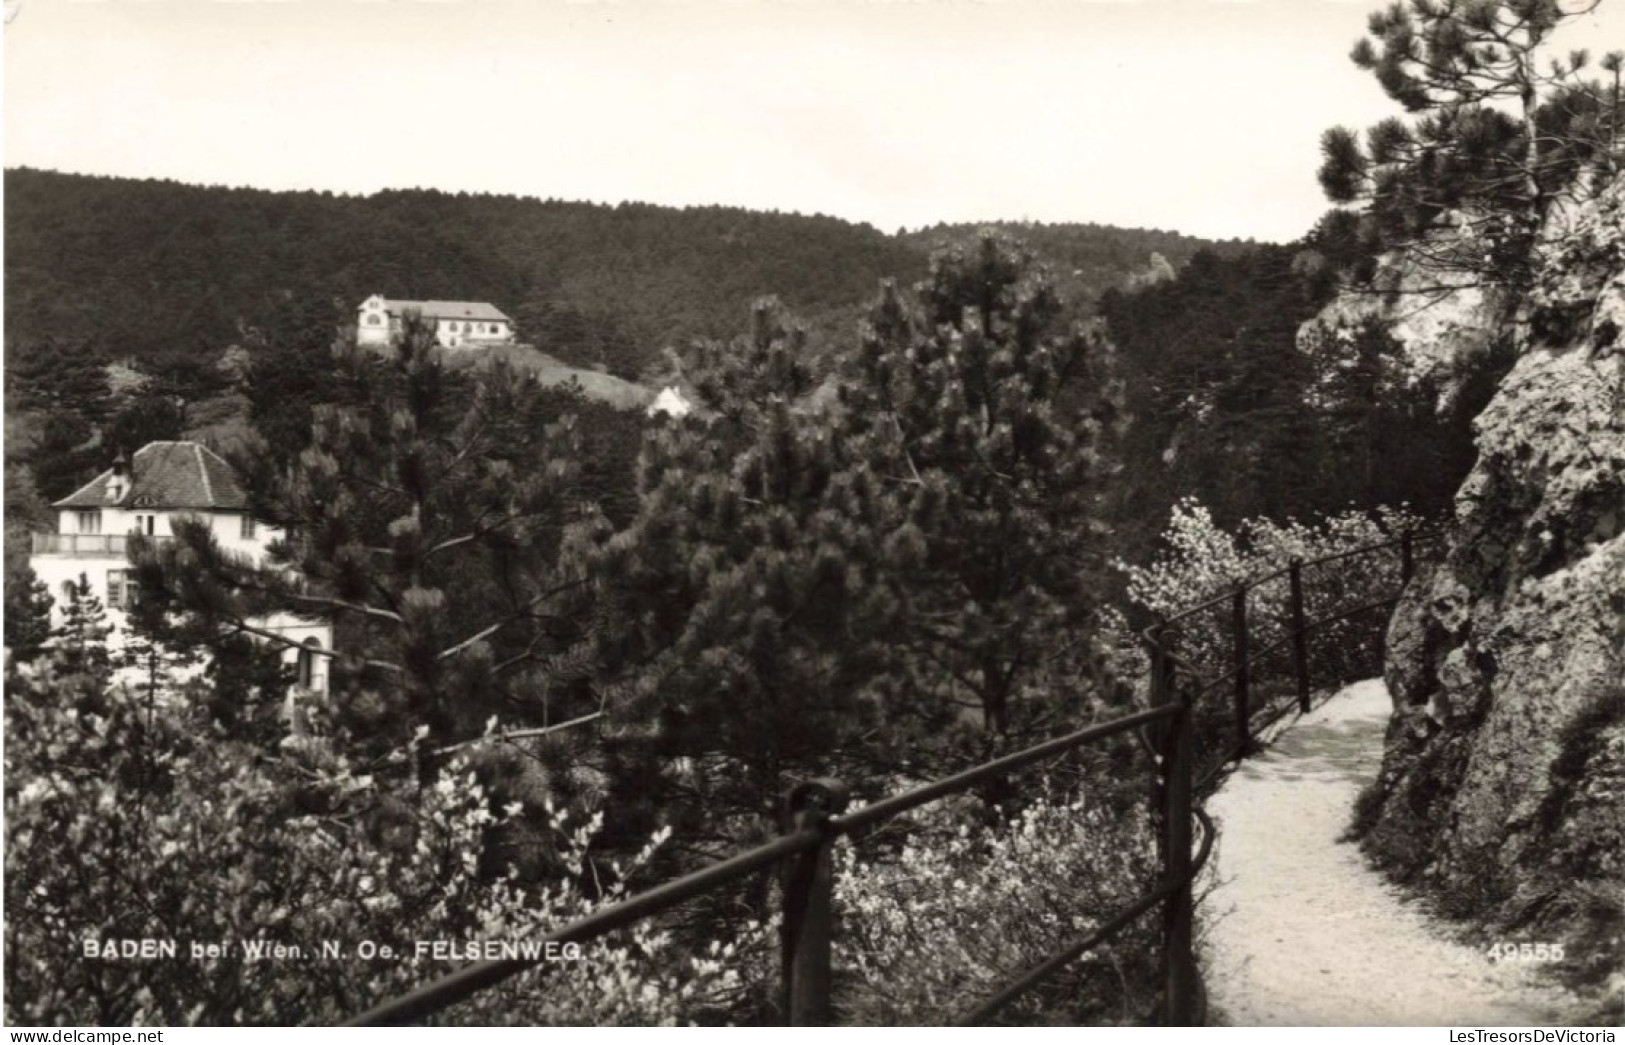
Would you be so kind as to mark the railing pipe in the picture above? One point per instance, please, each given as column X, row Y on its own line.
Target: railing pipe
column 886, row 808
column 1253, row 582
column 471, row 979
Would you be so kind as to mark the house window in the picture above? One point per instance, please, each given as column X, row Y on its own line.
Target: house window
column 374, row 320
column 248, row 528
column 121, row 589
column 145, row 524
column 307, row 663
column 90, row 522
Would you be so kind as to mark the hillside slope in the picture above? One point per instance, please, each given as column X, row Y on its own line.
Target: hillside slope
column 1087, row 259
column 144, row 267
column 147, row 268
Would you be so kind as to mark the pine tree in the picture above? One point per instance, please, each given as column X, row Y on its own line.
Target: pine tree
column 750, row 615
column 1498, row 132
column 154, row 649
column 855, row 587
column 79, row 644
column 57, row 377
column 28, row 617
column 984, row 411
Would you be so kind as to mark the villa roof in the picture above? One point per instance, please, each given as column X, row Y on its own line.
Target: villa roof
column 166, row 475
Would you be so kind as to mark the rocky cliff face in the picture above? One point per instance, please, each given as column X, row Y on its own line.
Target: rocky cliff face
column 1503, row 787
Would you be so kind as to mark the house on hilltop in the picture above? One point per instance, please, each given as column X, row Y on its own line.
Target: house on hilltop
column 147, row 494
column 457, row 324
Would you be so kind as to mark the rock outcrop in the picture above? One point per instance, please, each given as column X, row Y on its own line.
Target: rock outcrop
column 1503, row 786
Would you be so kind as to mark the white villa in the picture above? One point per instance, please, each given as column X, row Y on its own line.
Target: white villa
column 457, row 324
column 163, row 482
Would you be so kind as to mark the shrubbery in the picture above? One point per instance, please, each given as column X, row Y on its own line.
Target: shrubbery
column 1200, row 562
column 153, row 825
column 944, row 920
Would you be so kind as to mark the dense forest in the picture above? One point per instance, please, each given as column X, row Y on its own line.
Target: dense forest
column 144, row 269
column 216, row 309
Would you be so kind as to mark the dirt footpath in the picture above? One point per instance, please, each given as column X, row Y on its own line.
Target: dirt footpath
column 1302, row 932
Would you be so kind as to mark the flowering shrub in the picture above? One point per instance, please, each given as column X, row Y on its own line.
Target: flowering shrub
column 144, row 825
column 1201, row 562
column 931, row 926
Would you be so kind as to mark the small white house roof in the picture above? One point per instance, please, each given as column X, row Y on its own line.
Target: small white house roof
column 670, row 401
column 481, row 311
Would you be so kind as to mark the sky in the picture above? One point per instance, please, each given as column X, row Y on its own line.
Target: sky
column 1202, row 116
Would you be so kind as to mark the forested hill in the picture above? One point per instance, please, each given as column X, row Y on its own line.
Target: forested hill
column 1087, row 259
column 147, row 269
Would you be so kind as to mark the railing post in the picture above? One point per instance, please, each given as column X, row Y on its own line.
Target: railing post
column 808, row 890
column 1407, row 558
column 1179, row 964
column 1300, row 641
column 1161, row 679
column 1243, row 681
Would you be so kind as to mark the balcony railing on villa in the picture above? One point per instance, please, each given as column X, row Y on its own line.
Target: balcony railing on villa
column 88, row 545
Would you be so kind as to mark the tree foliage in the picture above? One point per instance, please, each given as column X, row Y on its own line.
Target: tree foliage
column 424, row 521
column 28, row 605
column 1498, row 130
column 860, row 582
column 1237, row 405
column 986, row 413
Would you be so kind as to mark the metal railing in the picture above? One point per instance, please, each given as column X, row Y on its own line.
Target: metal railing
column 817, row 818
column 1249, row 715
column 89, row 545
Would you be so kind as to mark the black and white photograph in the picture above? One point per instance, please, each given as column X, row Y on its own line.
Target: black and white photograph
column 866, row 513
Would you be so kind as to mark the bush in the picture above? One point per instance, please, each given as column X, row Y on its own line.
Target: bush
column 1201, row 562
column 144, row 824
column 933, row 925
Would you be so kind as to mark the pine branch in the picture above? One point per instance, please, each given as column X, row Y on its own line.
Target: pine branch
column 521, row 734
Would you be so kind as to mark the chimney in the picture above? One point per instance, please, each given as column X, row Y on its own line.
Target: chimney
column 119, row 485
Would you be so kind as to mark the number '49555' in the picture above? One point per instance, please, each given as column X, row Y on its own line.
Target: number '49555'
column 1526, row 952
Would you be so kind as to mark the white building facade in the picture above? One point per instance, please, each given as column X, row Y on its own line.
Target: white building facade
column 457, row 324
column 161, row 484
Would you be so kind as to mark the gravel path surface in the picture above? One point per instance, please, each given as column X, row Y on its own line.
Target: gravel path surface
column 1301, row 932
